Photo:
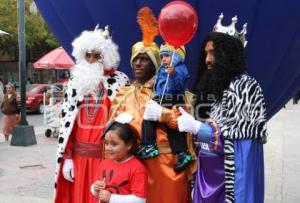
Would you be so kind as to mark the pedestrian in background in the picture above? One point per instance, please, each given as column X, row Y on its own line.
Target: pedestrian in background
column 9, row 108
column 1, row 91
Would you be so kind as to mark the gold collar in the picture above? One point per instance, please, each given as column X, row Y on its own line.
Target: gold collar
column 149, row 84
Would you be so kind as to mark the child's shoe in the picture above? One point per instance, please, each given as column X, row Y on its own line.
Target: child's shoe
column 183, row 160
column 148, row 151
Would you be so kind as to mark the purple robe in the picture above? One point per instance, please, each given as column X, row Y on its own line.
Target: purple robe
column 210, row 177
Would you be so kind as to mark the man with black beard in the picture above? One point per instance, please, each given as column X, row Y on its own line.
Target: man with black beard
column 94, row 83
column 230, row 125
column 214, row 76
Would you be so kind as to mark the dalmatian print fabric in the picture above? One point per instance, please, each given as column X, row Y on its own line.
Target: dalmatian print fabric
column 112, row 84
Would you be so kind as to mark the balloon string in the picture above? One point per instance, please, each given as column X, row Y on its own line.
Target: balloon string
column 162, row 96
column 172, row 58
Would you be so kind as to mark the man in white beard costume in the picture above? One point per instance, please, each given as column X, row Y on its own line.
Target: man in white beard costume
column 94, row 83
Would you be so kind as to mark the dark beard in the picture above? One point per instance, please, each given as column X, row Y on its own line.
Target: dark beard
column 209, row 90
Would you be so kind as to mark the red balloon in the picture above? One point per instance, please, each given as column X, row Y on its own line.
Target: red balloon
column 177, row 23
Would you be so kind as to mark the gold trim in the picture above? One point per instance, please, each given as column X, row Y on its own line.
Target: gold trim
column 164, row 148
column 214, row 125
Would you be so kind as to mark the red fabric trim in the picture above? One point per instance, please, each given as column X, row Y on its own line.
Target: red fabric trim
column 109, row 71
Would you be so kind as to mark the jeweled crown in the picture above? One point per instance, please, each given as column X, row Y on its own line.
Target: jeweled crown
column 231, row 30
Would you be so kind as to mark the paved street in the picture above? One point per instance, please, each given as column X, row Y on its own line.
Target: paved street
column 26, row 173
column 282, row 156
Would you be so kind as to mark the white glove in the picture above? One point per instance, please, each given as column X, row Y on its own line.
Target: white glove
column 187, row 123
column 68, row 170
column 124, row 118
column 152, row 111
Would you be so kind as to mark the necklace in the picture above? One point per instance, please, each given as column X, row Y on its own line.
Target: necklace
column 91, row 116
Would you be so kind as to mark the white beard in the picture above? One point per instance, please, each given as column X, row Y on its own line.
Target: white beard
column 87, row 77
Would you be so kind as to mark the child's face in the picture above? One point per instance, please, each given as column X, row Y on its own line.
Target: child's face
column 115, row 147
column 166, row 59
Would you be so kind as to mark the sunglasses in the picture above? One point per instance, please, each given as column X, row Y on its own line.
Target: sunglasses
column 93, row 55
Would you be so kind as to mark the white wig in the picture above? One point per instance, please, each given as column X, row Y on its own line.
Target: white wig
column 97, row 40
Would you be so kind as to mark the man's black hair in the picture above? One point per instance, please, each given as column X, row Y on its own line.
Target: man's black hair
column 229, row 63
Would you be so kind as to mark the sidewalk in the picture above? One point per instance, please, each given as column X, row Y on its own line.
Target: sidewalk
column 282, row 156
column 27, row 173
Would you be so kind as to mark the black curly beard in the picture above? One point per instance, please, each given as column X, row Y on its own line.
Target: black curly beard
column 229, row 62
column 210, row 88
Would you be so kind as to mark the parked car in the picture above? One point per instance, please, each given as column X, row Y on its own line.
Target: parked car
column 35, row 96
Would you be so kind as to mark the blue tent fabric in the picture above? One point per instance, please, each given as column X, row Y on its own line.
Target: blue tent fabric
column 273, row 50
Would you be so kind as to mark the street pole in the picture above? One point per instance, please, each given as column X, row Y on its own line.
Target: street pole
column 23, row 134
column 22, row 60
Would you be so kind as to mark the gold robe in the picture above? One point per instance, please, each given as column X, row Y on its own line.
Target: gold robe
column 164, row 185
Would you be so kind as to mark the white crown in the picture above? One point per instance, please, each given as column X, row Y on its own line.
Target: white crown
column 230, row 29
column 105, row 33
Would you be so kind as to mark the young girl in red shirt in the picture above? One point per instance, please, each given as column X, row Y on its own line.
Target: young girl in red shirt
column 121, row 178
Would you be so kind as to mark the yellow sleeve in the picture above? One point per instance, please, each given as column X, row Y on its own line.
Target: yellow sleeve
column 117, row 105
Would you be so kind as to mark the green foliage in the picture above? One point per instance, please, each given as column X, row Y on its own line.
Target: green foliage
column 38, row 37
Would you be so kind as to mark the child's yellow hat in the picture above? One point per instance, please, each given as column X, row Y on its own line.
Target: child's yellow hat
column 168, row 49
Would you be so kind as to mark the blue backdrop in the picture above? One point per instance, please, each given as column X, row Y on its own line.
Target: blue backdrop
column 273, row 50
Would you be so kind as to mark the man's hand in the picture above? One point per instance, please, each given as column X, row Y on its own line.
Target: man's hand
column 187, row 123
column 152, row 111
column 104, row 195
column 170, row 70
column 68, row 170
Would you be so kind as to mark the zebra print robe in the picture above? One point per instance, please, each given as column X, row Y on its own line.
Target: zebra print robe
column 240, row 115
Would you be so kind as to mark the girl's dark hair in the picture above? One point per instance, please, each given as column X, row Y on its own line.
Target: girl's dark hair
column 127, row 134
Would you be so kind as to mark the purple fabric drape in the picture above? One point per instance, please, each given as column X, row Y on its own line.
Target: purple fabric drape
column 210, row 177
column 209, row 182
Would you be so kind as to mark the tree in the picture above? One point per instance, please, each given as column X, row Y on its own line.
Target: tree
column 38, row 36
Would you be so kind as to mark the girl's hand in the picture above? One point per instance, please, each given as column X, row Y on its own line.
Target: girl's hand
column 99, row 185
column 104, row 195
